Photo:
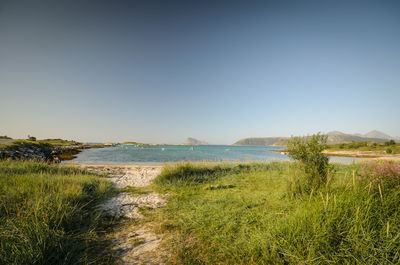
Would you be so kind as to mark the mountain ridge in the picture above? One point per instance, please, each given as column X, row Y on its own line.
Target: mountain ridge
column 334, row 137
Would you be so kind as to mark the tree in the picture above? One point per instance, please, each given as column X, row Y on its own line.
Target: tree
column 307, row 151
column 31, row 138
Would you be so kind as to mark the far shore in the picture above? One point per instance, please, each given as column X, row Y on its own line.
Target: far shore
column 355, row 154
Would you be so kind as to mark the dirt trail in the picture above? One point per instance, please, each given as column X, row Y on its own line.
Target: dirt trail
column 134, row 242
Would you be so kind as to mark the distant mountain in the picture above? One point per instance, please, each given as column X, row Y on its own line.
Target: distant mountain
column 193, row 141
column 371, row 135
column 338, row 138
column 262, row 141
column 378, row 134
column 335, row 133
column 334, row 137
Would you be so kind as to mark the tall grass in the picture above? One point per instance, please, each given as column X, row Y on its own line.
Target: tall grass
column 48, row 216
column 257, row 222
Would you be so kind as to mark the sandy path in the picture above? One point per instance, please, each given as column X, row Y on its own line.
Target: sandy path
column 127, row 175
column 133, row 243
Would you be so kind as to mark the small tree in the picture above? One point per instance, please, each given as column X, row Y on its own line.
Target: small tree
column 391, row 142
column 31, row 138
column 308, row 152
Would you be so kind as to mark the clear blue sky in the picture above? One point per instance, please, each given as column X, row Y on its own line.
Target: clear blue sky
column 161, row 71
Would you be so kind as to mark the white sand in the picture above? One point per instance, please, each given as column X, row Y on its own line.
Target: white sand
column 135, row 244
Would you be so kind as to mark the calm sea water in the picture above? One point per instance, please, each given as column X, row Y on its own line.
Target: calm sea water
column 154, row 155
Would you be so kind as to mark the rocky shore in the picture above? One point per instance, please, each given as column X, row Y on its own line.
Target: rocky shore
column 41, row 151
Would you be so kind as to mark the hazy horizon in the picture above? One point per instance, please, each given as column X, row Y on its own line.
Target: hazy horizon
column 162, row 71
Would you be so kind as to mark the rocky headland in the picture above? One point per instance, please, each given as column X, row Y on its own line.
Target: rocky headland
column 30, row 150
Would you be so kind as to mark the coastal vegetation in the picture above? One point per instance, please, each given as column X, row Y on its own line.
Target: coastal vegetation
column 302, row 212
column 253, row 217
column 388, row 147
column 48, row 215
column 47, row 149
column 308, row 153
column 54, row 142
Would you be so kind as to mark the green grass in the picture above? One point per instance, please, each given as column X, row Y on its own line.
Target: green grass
column 366, row 146
column 48, row 215
column 58, row 142
column 262, row 221
column 47, row 142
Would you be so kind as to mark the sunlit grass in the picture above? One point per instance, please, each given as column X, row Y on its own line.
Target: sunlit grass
column 260, row 221
column 48, row 214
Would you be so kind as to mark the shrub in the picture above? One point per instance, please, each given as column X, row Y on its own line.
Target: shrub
column 31, row 138
column 385, row 173
column 308, row 152
column 391, row 142
column 389, row 151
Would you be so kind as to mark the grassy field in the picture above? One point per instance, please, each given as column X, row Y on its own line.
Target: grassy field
column 54, row 142
column 252, row 214
column 387, row 148
column 48, row 215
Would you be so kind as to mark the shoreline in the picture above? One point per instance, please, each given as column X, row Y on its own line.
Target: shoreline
column 354, row 154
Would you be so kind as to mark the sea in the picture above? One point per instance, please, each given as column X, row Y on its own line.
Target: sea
column 160, row 154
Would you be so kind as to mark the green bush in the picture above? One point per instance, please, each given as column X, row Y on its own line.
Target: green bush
column 308, row 152
column 31, row 138
column 391, row 142
column 389, row 151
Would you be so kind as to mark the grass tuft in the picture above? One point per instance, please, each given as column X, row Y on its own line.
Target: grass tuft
column 344, row 222
column 48, row 216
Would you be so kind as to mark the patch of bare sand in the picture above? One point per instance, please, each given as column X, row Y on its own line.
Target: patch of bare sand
column 126, row 205
column 138, row 246
column 129, row 175
column 134, row 243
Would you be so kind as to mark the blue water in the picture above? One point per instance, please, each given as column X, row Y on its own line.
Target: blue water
column 154, row 155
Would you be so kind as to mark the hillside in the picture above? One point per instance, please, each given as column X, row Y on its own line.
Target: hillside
column 193, row 141
column 339, row 138
column 263, row 141
column 334, row 137
column 378, row 134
